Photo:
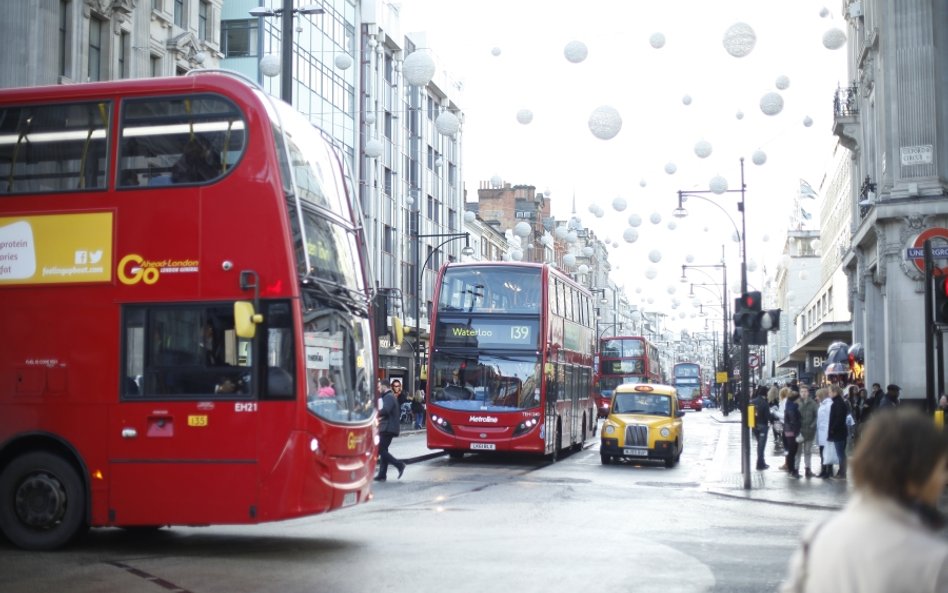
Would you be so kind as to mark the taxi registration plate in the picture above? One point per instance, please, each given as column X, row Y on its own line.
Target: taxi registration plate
column 635, row 452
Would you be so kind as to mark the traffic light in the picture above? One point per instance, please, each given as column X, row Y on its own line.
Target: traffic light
column 755, row 337
column 941, row 299
column 770, row 320
column 747, row 311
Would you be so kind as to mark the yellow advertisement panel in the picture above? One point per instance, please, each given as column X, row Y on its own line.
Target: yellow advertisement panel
column 56, row 248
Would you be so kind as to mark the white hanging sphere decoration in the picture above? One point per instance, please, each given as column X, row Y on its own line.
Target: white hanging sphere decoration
column 615, row 244
column 583, row 269
column 599, row 211
column 439, row 162
column 495, row 51
column 815, row 244
column 689, row 258
column 630, row 235
column 418, row 68
column 560, row 232
column 703, row 148
column 670, row 168
column 759, row 157
column 370, row 117
column 671, row 289
column 635, row 220
column 835, row 38
column 751, row 266
column 771, row 103
column 650, row 300
column 803, row 275
column 655, row 256
column 373, row 148
column 588, row 251
column 496, row 181
column 470, row 216
column 569, row 259
column 657, row 40
column 739, row 39
column 782, row 82
column 651, row 273
column 410, row 201
column 448, row 123
column 807, row 121
column 642, row 182
column 575, row 51
column 682, row 315
column 522, row 229
column 824, row 12
column 672, row 225
column 619, row 203
column 571, row 237
column 605, row 122
column 765, row 238
column 516, row 254
column 343, row 61
column 524, row 116
column 718, row 184
column 592, row 207
column 655, row 218
column 270, row 65
column 686, row 100
column 739, row 114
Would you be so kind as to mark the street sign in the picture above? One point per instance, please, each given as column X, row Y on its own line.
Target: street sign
column 720, row 377
column 753, row 361
column 916, row 252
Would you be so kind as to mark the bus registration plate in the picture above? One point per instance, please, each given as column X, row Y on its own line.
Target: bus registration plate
column 484, row 446
column 349, row 499
column 635, row 452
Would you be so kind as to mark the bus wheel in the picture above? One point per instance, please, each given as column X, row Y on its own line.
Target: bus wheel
column 42, row 501
column 456, row 455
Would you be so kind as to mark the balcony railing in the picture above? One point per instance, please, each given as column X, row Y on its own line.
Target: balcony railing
column 845, row 102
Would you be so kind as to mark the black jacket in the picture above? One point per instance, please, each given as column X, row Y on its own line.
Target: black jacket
column 389, row 414
column 763, row 416
column 838, row 431
column 792, row 419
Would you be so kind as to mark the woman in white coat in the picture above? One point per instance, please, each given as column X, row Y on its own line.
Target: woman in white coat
column 885, row 539
column 822, row 429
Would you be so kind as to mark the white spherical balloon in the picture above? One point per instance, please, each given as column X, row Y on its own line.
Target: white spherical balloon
column 689, row 258
column 605, row 122
column 718, row 184
column 771, row 103
column 651, row 273
column 824, row 12
column 516, row 254
column 370, row 117
column 672, row 225
column 588, row 251
column 524, row 116
column 496, row 181
column 642, row 183
column 782, row 82
column 686, row 100
column 835, row 38
column 671, row 289
column 418, row 68
column 373, row 148
column 655, row 218
column 583, row 269
column 270, row 65
column 670, row 168
column 765, row 238
column 495, row 51
column 448, row 123
column 571, row 237
column 635, row 220
column 703, row 148
column 630, row 235
column 655, row 256
column 751, row 266
column 575, row 51
column 569, row 259
column 470, row 216
column 342, row 61
column 739, row 115
column 619, row 204
column 807, row 121
column 759, row 157
column 739, row 40
column 657, row 40
column 522, row 229
column 560, row 232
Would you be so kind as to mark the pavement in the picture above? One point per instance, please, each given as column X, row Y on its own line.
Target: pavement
column 724, row 477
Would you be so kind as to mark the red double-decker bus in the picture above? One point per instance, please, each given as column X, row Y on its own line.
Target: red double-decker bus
column 180, row 268
column 686, row 378
column 511, row 360
column 624, row 359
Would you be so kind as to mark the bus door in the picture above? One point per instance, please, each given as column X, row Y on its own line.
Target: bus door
column 183, row 436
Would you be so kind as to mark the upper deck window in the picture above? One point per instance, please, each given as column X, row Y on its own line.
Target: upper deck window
column 179, row 140
column 54, row 147
column 487, row 289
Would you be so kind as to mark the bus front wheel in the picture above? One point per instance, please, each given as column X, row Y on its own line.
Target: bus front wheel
column 42, row 501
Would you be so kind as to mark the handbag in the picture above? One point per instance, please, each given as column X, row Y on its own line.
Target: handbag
column 829, row 454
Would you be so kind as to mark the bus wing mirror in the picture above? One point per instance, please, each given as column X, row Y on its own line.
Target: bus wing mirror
column 246, row 319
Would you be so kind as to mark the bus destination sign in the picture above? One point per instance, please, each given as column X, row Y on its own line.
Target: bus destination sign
column 488, row 333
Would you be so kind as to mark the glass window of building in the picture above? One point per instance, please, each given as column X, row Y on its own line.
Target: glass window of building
column 239, row 38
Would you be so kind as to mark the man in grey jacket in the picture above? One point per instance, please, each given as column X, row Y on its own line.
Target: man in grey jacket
column 389, row 425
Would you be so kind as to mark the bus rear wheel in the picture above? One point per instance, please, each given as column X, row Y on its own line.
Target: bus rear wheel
column 42, row 501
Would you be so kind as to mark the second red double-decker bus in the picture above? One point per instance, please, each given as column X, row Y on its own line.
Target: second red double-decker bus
column 686, row 377
column 624, row 359
column 511, row 360
column 180, row 265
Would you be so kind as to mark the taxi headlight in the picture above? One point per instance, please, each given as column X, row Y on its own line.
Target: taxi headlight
column 665, row 432
column 608, row 429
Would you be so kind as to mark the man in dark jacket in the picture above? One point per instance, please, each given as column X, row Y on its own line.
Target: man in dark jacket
column 389, row 425
column 838, row 432
column 762, row 419
column 891, row 397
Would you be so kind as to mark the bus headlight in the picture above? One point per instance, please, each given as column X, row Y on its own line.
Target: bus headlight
column 665, row 432
column 525, row 426
column 442, row 423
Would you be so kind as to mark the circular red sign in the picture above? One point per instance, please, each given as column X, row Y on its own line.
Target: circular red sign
column 939, row 237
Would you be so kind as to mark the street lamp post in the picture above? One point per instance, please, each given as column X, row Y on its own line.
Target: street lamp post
column 744, row 398
column 725, row 401
column 286, row 41
column 466, row 251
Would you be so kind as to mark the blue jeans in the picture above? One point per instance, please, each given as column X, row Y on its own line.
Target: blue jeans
column 841, row 453
column 419, row 419
column 761, row 436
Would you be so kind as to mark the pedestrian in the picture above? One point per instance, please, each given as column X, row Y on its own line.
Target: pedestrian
column 943, row 403
column 822, row 430
column 860, row 407
column 838, row 431
column 885, row 539
column 763, row 417
column 400, row 397
column 875, row 397
column 779, row 448
column 808, row 411
column 418, row 409
column 389, row 426
column 792, row 422
column 891, row 397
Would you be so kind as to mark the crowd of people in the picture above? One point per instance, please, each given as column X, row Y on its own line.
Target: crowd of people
column 830, row 418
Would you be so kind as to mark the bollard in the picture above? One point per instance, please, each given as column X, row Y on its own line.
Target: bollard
column 940, row 418
column 751, row 418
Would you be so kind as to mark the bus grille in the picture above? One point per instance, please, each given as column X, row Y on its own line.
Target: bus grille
column 636, row 435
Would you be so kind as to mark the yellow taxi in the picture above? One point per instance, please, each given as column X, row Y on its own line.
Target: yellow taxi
column 644, row 423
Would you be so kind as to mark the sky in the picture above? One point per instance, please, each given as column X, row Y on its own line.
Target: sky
column 510, row 56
